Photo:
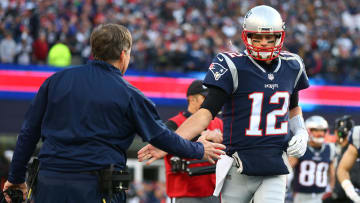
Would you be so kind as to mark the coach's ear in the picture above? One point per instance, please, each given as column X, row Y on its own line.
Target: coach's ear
column 124, row 60
column 122, row 55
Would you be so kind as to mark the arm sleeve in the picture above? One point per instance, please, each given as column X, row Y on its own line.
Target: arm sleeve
column 29, row 135
column 294, row 100
column 149, row 126
column 215, row 100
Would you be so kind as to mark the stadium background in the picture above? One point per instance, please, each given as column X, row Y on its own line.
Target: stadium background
column 174, row 42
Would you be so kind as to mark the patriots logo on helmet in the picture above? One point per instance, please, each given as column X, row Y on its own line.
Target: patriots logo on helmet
column 217, row 70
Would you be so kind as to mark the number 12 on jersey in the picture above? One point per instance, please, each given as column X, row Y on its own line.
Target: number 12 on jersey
column 270, row 126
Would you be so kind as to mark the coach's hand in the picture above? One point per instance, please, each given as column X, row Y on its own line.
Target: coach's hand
column 150, row 153
column 212, row 150
column 22, row 187
column 298, row 144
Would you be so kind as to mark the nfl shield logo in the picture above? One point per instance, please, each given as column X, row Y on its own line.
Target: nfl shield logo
column 271, row 76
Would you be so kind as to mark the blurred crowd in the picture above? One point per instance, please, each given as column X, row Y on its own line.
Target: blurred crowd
column 180, row 35
column 147, row 192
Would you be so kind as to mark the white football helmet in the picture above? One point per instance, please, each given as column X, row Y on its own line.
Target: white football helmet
column 263, row 20
column 317, row 123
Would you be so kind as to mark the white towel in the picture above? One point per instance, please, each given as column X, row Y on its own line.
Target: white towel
column 223, row 166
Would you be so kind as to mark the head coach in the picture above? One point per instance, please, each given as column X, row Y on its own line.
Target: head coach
column 87, row 117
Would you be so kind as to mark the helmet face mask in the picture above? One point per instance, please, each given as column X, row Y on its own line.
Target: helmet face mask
column 343, row 125
column 263, row 20
column 317, row 127
column 263, row 53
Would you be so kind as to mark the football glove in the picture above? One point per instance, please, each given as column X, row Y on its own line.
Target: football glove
column 298, row 143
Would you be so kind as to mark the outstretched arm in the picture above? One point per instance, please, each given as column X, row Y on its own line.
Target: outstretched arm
column 192, row 127
column 195, row 124
column 343, row 175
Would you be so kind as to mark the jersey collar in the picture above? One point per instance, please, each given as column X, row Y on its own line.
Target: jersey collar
column 104, row 65
column 259, row 66
column 313, row 150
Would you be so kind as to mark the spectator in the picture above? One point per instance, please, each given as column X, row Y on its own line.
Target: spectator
column 7, row 49
column 40, row 47
column 59, row 55
column 315, row 29
column 23, row 51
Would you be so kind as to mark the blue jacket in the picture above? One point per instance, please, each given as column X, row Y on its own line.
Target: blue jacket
column 87, row 117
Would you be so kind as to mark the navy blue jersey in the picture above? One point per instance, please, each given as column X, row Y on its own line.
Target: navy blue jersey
column 87, row 117
column 256, row 115
column 311, row 172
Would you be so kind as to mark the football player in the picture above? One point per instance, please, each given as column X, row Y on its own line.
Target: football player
column 258, row 90
column 316, row 167
column 347, row 162
column 342, row 129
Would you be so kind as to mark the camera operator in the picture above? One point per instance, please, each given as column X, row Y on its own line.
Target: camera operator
column 180, row 187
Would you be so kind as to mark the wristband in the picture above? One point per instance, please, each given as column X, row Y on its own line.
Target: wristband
column 349, row 189
column 296, row 124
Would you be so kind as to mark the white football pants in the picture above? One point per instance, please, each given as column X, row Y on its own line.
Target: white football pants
column 240, row 188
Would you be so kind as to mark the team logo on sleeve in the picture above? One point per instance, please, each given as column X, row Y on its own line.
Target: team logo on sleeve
column 217, row 70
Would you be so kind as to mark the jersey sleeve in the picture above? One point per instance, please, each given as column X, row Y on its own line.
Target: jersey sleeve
column 354, row 137
column 222, row 73
column 149, row 126
column 302, row 81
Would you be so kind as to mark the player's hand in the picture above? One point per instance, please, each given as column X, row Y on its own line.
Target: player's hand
column 22, row 187
column 298, row 144
column 212, row 135
column 212, row 150
column 150, row 153
column 326, row 195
